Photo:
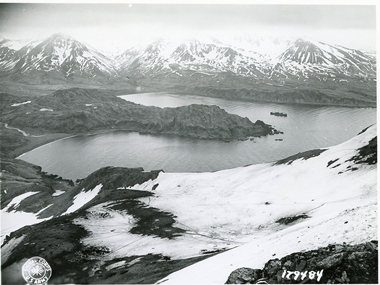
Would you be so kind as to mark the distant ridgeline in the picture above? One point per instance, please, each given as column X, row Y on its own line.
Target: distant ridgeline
column 288, row 71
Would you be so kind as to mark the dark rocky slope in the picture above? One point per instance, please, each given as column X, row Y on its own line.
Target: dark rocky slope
column 59, row 239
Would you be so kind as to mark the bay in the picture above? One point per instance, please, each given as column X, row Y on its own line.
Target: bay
column 305, row 127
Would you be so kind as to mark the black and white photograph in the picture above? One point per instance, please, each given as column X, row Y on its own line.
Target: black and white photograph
column 188, row 142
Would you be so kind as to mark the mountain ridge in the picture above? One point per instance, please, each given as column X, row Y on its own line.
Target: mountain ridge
column 193, row 53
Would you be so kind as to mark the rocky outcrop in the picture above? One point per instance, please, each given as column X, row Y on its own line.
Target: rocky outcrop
column 334, row 264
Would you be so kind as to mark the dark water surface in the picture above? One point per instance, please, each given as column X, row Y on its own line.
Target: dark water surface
column 305, row 128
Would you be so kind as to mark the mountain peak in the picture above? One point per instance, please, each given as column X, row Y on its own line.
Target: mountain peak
column 60, row 36
column 65, row 55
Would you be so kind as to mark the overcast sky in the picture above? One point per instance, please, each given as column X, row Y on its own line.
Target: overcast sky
column 114, row 26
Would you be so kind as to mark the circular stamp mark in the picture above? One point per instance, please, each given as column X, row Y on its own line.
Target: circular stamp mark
column 36, row 271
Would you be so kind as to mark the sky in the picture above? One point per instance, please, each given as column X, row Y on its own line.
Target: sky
column 115, row 27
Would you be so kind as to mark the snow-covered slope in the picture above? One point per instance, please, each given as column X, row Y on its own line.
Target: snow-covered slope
column 14, row 216
column 311, row 58
column 337, row 195
column 11, row 52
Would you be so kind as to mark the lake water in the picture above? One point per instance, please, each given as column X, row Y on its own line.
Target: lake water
column 305, row 128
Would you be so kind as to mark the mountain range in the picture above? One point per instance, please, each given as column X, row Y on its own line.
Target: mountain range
column 252, row 69
column 274, row 60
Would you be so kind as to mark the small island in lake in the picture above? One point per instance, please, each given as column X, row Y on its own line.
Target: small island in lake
column 278, row 114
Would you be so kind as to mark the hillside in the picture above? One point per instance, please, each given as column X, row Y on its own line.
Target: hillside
column 82, row 110
column 130, row 226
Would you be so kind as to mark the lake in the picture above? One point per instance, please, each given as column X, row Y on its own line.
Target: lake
column 305, row 128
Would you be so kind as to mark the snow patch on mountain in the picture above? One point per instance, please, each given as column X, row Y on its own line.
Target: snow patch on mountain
column 19, row 104
column 200, row 199
column 111, row 229
column 15, row 44
column 58, row 193
column 12, row 219
column 82, row 198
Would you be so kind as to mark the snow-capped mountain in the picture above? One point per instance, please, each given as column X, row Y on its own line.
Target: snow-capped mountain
column 11, row 52
column 14, row 44
column 210, row 56
column 310, row 58
column 251, row 59
column 59, row 53
column 255, row 58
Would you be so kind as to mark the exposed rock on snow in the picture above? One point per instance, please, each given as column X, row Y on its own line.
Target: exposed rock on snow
column 336, row 263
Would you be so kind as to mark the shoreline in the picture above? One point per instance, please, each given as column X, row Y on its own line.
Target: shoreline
column 37, row 142
column 308, row 104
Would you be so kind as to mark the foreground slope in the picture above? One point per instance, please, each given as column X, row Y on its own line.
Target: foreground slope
column 123, row 225
column 323, row 200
